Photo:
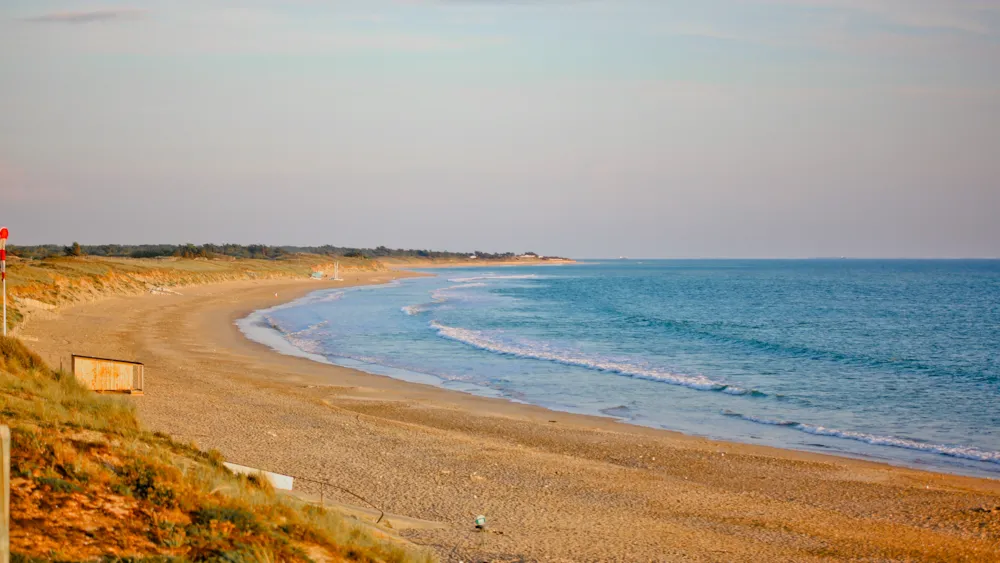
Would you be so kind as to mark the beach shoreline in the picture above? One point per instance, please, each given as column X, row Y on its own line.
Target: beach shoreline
column 277, row 341
column 647, row 494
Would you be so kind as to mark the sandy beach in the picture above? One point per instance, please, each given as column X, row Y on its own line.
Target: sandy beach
column 553, row 486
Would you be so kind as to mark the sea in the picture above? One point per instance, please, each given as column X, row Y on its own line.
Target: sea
column 888, row 360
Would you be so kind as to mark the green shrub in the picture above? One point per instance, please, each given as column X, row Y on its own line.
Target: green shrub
column 58, row 485
column 144, row 482
column 243, row 520
column 16, row 557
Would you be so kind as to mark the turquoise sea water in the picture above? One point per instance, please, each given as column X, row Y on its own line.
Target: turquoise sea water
column 896, row 361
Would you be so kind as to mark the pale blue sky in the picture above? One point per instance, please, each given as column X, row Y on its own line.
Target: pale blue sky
column 653, row 128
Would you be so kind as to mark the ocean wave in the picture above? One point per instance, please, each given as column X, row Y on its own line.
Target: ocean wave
column 466, row 286
column 445, row 293
column 722, row 332
column 482, row 341
column 307, row 345
column 315, row 298
column 490, row 277
column 328, row 297
column 414, row 310
column 963, row 452
column 268, row 322
column 620, row 411
column 309, row 329
column 438, row 296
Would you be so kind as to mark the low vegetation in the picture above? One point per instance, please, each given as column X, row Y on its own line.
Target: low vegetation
column 250, row 251
column 59, row 280
column 88, row 483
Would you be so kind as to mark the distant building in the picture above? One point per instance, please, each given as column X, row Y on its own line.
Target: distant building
column 473, row 257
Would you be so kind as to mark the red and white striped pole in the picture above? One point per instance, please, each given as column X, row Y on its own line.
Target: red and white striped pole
column 3, row 274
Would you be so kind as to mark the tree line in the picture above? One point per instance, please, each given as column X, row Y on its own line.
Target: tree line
column 254, row 251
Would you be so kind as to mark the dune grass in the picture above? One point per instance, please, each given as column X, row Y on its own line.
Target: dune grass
column 61, row 280
column 88, row 483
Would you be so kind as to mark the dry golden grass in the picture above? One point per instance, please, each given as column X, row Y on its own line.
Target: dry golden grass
column 89, row 483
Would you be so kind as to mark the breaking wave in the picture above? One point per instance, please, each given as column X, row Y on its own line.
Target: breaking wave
column 465, row 286
column 545, row 352
column 266, row 321
column 317, row 298
column 308, row 330
column 438, row 297
column 620, row 411
column 488, row 277
column 445, row 293
column 963, row 452
column 413, row 310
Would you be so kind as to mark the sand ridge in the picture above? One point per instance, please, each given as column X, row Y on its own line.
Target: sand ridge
column 553, row 486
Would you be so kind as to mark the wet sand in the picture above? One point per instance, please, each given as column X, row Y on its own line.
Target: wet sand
column 553, row 486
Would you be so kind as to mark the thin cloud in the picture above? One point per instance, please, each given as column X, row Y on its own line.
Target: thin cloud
column 966, row 29
column 87, row 16
column 968, row 16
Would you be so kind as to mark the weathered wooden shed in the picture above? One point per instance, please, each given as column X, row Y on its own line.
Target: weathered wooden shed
column 109, row 376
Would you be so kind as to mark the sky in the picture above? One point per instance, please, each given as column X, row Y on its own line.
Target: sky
column 584, row 128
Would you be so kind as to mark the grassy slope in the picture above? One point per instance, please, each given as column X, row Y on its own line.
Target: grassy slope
column 63, row 280
column 89, row 483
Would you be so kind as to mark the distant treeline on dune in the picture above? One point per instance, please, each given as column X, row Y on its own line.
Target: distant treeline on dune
column 254, row 251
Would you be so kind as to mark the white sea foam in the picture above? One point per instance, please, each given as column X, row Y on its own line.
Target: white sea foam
column 328, row 297
column 438, row 296
column 445, row 293
column 260, row 328
column 963, row 452
column 483, row 341
column 313, row 298
column 309, row 329
column 307, row 345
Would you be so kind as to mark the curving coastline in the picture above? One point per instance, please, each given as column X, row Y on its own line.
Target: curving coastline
column 557, row 485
